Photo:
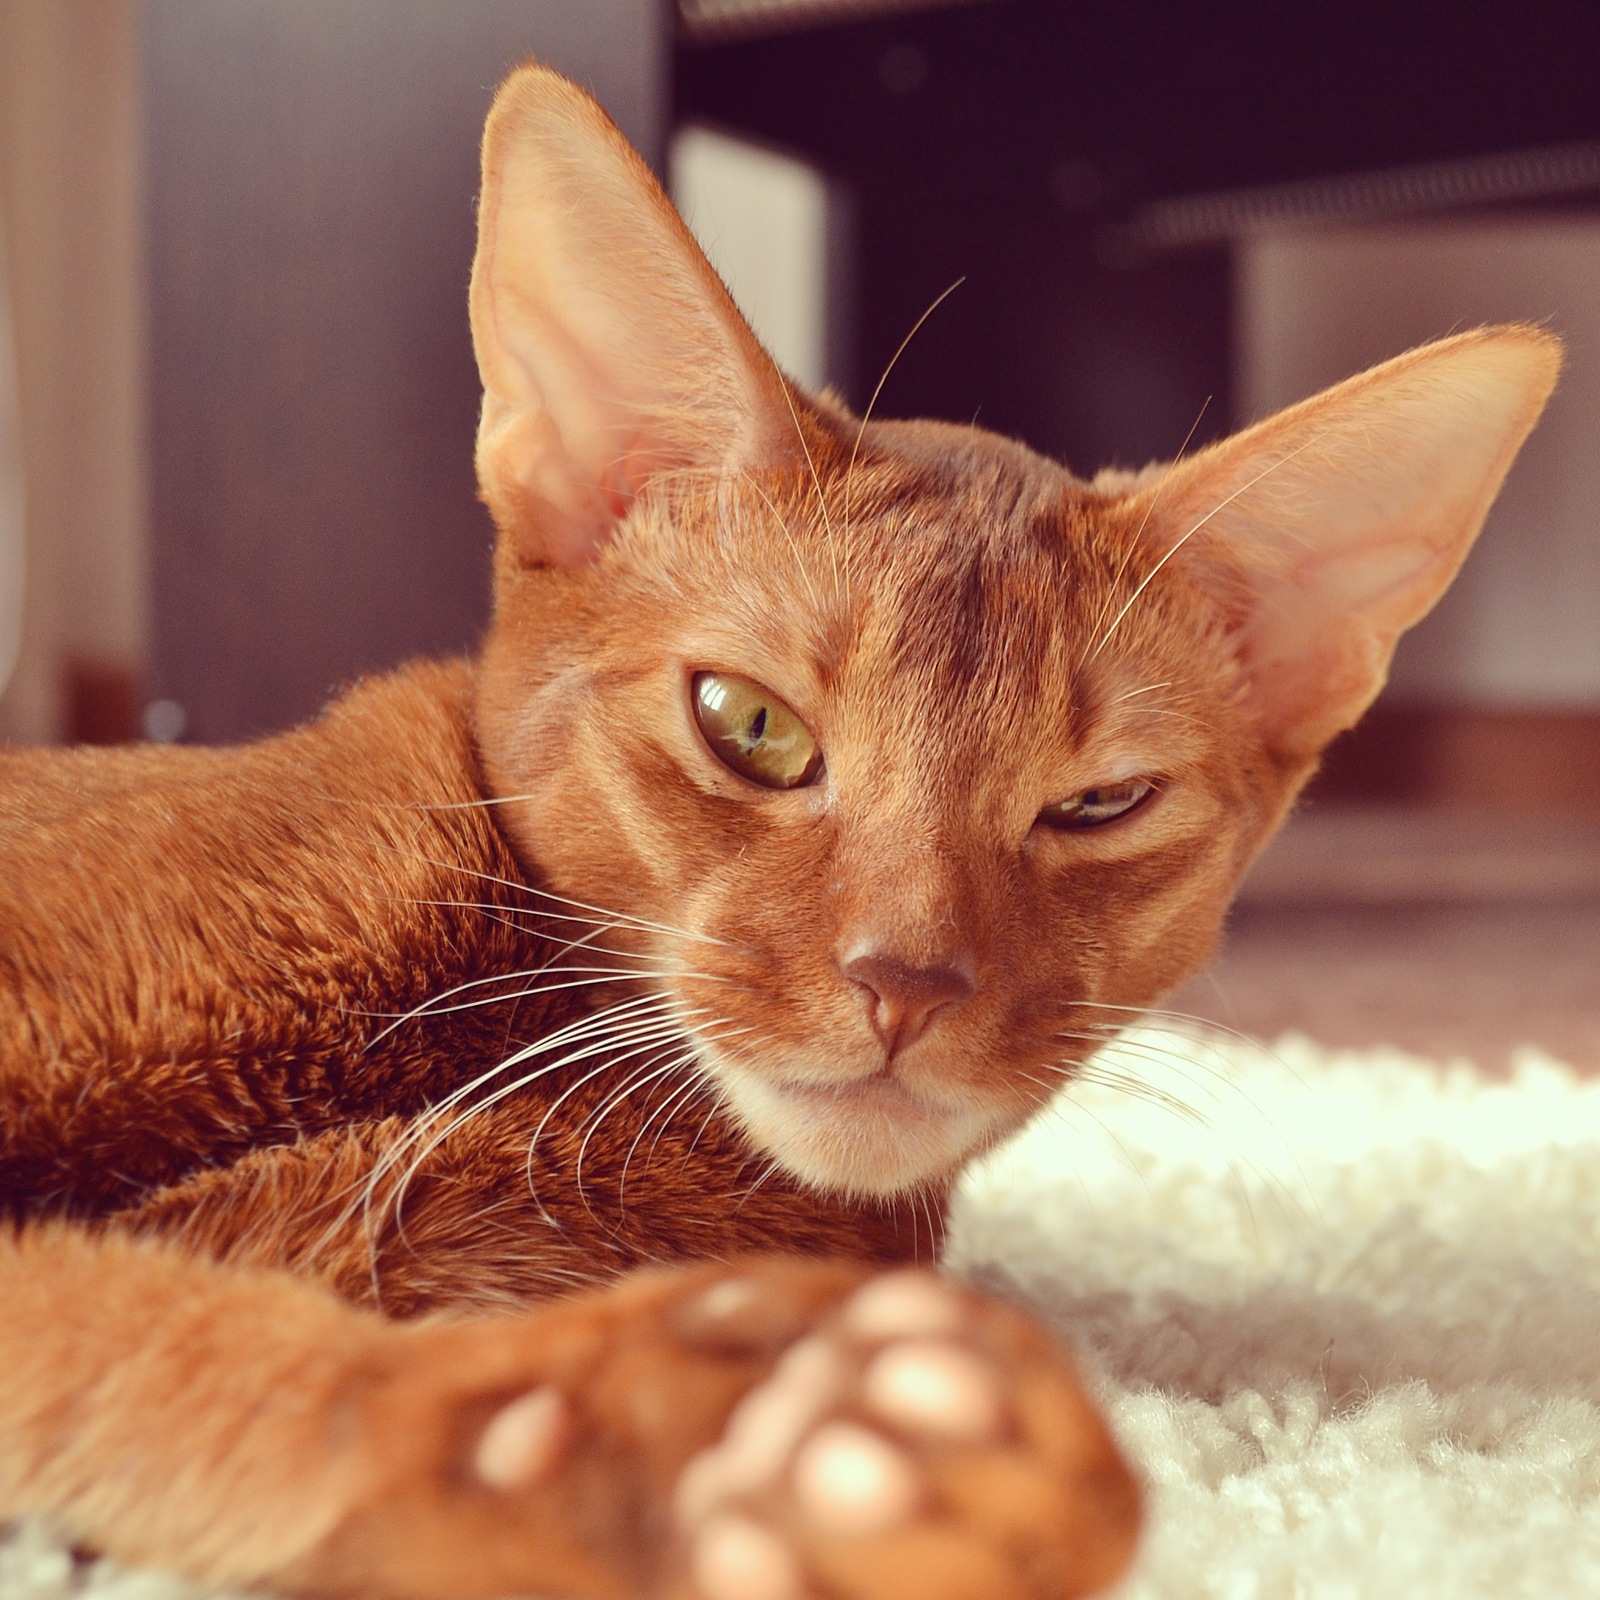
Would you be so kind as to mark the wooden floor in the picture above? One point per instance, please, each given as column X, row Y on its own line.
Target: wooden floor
column 1449, row 935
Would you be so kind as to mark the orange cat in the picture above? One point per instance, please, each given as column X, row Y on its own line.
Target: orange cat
column 824, row 792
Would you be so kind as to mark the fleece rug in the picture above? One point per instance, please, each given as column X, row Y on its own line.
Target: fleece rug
column 1343, row 1309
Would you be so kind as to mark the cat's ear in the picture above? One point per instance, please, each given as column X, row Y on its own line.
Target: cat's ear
column 609, row 350
column 1332, row 527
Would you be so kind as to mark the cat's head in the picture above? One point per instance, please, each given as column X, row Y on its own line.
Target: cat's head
column 906, row 760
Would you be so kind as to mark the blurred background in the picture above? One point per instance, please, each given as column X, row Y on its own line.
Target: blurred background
column 237, row 396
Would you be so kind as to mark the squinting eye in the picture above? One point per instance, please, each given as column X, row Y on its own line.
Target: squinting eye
column 1094, row 806
column 751, row 730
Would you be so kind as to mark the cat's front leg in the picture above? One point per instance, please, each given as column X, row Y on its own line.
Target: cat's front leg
column 778, row 1429
column 388, row 1215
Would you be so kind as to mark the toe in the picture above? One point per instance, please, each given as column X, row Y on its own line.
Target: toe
column 935, row 1389
column 849, row 1480
column 763, row 1430
column 903, row 1305
column 523, row 1441
column 736, row 1558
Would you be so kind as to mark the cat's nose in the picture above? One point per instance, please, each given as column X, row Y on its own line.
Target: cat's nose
column 905, row 998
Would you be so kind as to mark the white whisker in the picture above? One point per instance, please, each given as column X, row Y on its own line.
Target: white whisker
column 641, row 1035
column 1144, row 583
column 619, row 918
column 822, row 499
column 1138, row 533
column 866, row 416
column 588, row 976
column 640, row 1012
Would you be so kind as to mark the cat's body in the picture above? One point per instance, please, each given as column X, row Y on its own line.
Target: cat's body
column 824, row 793
column 241, row 972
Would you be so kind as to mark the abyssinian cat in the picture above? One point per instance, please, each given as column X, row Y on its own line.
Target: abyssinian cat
column 482, row 1142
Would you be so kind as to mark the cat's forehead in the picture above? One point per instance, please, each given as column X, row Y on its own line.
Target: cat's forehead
column 954, row 455
column 932, row 570
column 945, row 555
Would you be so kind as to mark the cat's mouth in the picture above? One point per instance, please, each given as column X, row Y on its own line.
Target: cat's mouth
column 869, row 1135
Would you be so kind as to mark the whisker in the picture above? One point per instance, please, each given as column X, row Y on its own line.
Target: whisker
column 696, row 1082
column 589, row 977
column 822, row 499
column 679, row 1062
column 640, row 1035
column 1137, row 1088
column 679, row 1026
column 1138, row 533
column 645, row 1075
column 800, row 566
column 684, row 1091
column 391, row 1157
column 617, row 917
column 1144, row 583
column 614, row 1025
column 1064, row 1103
column 1102, row 1071
column 770, row 1171
column 1133, row 694
column 933, row 1227
column 866, row 416
column 609, row 925
column 1156, row 1014
column 1183, row 1063
column 717, row 1104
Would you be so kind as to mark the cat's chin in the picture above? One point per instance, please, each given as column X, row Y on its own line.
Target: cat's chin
column 870, row 1136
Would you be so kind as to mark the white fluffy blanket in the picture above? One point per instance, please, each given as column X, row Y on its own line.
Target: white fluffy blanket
column 1344, row 1309
column 1346, row 1314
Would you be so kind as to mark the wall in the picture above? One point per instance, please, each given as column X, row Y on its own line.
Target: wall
column 1521, row 627
column 312, row 169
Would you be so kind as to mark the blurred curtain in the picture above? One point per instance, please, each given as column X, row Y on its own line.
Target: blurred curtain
column 71, row 195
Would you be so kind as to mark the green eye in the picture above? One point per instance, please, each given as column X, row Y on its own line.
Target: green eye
column 1092, row 807
column 752, row 731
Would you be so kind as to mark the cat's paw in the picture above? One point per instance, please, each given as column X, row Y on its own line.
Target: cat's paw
column 780, row 1429
column 914, row 1441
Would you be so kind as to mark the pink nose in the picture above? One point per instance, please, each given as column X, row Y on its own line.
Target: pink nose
column 905, row 998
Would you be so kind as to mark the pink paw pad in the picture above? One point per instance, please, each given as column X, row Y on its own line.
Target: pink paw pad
column 829, row 1442
column 849, row 1480
column 523, row 1441
column 902, row 1305
column 936, row 1389
column 763, row 1429
column 737, row 1559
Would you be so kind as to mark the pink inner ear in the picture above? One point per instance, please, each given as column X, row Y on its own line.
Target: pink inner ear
column 1318, row 644
column 641, row 458
column 610, row 351
column 1333, row 527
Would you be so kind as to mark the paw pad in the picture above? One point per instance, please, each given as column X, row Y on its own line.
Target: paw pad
column 934, row 1388
column 523, row 1441
column 737, row 1559
column 850, row 1480
column 832, row 1442
column 902, row 1305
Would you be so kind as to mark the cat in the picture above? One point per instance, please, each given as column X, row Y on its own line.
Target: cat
column 484, row 1141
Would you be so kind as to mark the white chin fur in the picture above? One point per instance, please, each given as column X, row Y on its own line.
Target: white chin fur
column 870, row 1137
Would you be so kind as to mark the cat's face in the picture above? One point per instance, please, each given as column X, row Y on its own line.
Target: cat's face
column 905, row 759
column 891, row 963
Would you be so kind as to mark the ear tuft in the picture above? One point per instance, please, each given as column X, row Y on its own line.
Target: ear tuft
column 1335, row 525
column 609, row 350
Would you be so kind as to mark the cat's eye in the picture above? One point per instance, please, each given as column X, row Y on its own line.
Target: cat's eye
column 752, row 731
column 1091, row 807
